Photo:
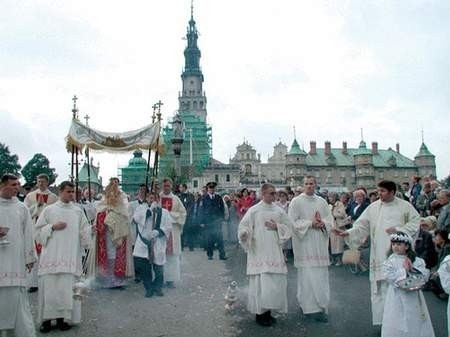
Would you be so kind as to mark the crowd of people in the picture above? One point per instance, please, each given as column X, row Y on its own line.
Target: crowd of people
column 54, row 240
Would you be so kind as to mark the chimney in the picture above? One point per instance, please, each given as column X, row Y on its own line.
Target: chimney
column 397, row 147
column 312, row 146
column 344, row 148
column 374, row 147
column 327, row 148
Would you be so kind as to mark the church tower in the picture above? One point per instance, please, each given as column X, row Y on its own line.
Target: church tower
column 196, row 150
column 192, row 97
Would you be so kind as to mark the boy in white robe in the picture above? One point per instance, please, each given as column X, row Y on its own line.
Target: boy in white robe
column 170, row 202
column 62, row 229
column 153, row 228
column 262, row 232
column 444, row 275
column 381, row 218
column 312, row 221
column 16, row 257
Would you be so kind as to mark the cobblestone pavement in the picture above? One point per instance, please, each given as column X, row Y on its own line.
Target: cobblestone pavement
column 196, row 306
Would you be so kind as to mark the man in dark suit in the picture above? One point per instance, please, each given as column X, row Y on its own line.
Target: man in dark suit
column 212, row 214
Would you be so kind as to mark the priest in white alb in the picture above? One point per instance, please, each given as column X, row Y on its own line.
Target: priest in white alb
column 312, row 221
column 36, row 201
column 62, row 229
column 262, row 232
column 17, row 255
column 170, row 202
column 381, row 218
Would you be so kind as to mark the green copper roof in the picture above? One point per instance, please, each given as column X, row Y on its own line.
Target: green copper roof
column 295, row 149
column 137, row 160
column 337, row 158
column 362, row 149
column 424, row 151
column 83, row 175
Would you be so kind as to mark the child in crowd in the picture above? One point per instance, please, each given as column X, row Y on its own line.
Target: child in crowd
column 405, row 311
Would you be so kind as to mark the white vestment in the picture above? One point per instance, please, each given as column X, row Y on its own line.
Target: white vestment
column 146, row 229
column 310, row 247
column 339, row 216
column 444, row 276
column 266, row 267
column 172, row 269
column 405, row 312
column 60, row 261
column 15, row 310
column 373, row 222
column 36, row 201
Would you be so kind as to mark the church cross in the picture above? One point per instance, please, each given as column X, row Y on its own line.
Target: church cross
column 86, row 118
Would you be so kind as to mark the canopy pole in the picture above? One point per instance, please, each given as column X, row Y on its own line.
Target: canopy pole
column 155, row 164
column 147, row 171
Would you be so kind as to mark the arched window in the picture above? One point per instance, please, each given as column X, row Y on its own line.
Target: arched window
column 248, row 169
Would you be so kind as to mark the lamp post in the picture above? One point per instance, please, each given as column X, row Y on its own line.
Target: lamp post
column 177, row 140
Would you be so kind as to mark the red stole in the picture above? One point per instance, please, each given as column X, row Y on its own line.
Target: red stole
column 167, row 204
column 120, row 263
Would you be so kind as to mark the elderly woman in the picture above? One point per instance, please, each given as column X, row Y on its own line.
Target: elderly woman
column 337, row 209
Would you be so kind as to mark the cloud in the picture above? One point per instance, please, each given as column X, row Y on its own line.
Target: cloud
column 329, row 68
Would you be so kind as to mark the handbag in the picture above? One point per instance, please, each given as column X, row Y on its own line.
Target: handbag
column 351, row 256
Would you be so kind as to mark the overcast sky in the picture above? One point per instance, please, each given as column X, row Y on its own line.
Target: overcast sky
column 328, row 67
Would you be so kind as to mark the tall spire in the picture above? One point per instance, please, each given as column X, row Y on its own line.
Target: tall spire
column 192, row 53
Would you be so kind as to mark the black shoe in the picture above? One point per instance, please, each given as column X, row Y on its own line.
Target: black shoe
column 63, row 326
column 33, row 289
column 45, row 327
column 170, row 285
column 224, row 258
column 158, row 292
column 321, row 317
column 262, row 320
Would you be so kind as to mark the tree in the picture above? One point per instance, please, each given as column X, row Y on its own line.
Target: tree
column 39, row 164
column 8, row 163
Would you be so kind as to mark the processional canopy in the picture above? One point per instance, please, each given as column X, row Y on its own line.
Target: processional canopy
column 147, row 137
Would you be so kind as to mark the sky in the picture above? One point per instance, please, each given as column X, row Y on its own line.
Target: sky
column 329, row 68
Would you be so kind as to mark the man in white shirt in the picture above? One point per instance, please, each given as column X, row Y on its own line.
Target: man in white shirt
column 312, row 221
column 62, row 229
column 262, row 232
column 16, row 257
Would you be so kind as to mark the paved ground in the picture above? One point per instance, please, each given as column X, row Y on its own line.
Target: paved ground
column 196, row 307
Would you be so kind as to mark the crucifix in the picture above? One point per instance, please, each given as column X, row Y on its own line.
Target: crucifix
column 86, row 118
column 75, row 109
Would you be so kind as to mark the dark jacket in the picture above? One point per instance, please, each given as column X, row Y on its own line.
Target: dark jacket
column 356, row 215
column 425, row 249
column 212, row 211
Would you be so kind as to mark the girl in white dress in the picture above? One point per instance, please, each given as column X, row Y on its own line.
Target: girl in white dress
column 405, row 311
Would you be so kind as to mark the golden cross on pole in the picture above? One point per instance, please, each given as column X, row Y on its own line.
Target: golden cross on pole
column 86, row 118
column 159, row 104
column 154, row 107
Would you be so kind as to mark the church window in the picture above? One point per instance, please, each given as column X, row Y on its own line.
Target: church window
column 227, row 178
column 216, row 178
column 195, row 104
column 247, row 156
column 367, row 171
column 192, row 82
column 291, row 172
column 298, row 159
column 342, row 173
column 317, row 174
column 242, row 156
column 406, row 174
column 195, row 183
column 248, row 169
column 201, row 104
column 328, row 173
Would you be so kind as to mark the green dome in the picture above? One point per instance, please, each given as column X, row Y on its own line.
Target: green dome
column 137, row 159
column 424, row 152
column 362, row 149
column 295, row 149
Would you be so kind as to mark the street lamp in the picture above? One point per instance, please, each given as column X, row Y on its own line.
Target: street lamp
column 177, row 140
